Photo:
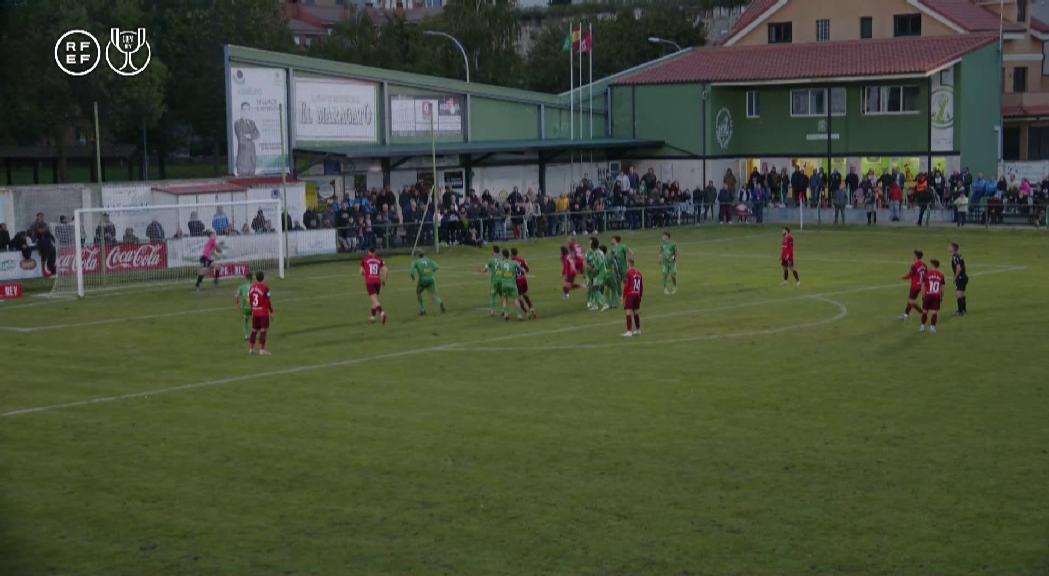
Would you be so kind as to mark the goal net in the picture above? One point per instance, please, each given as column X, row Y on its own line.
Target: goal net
column 117, row 248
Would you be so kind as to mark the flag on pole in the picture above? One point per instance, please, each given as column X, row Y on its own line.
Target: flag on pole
column 572, row 40
column 586, row 44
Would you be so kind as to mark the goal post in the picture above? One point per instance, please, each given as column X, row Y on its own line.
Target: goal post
column 128, row 247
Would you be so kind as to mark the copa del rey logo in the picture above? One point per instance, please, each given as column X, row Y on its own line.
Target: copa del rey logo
column 119, row 258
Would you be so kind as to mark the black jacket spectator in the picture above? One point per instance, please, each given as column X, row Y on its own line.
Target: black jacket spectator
column 5, row 238
column 155, row 232
column 196, row 227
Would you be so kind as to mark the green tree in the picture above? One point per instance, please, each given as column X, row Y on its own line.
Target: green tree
column 45, row 104
column 488, row 31
column 191, row 36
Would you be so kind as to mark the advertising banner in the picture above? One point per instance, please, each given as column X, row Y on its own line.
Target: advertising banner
column 418, row 115
column 941, row 116
column 334, row 110
column 118, row 258
column 14, row 267
column 257, row 96
column 10, row 291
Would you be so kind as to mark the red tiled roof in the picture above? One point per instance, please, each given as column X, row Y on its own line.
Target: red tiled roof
column 859, row 58
column 205, row 188
column 1039, row 26
column 752, row 12
column 1025, row 111
column 969, row 16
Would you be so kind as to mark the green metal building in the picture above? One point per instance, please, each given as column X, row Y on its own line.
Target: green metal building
column 906, row 102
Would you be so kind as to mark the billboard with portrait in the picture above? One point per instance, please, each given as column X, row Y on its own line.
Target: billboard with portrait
column 257, row 100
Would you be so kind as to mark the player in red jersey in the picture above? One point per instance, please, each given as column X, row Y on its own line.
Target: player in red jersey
column 786, row 257
column 578, row 254
column 934, row 282
column 374, row 271
column 917, row 278
column 523, row 300
column 261, row 312
column 633, row 290
column 568, row 272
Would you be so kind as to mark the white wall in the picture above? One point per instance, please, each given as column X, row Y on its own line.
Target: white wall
column 497, row 179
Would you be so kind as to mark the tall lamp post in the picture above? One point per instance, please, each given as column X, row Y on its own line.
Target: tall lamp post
column 658, row 40
column 466, row 61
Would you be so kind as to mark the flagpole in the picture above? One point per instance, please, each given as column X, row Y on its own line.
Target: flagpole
column 590, row 52
column 580, row 92
column 571, row 94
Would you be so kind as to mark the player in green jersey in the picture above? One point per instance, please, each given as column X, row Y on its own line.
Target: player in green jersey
column 609, row 287
column 241, row 298
column 495, row 285
column 668, row 259
column 619, row 256
column 422, row 271
column 595, row 270
column 508, row 272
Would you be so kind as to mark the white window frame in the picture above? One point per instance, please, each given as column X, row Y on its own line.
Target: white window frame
column 883, row 101
column 811, row 99
column 753, row 104
column 821, row 24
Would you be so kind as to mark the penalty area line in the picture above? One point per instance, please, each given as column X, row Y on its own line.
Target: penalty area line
column 826, row 296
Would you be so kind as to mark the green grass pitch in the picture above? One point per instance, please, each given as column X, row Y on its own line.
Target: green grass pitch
column 754, row 429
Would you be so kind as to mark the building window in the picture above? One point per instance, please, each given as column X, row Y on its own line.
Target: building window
column 781, row 33
column 1011, row 143
column 822, row 30
column 1019, row 80
column 890, row 100
column 813, row 102
column 907, row 25
column 1021, row 10
column 866, row 28
column 1037, row 142
column 753, row 104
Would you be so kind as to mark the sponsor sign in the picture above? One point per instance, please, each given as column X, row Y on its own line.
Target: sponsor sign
column 10, row 291
column 941, row 117
column 418, row 115
column 335, row 110
column 257, row 98
column 118, row 258
column 14, row 267
column 231, row 269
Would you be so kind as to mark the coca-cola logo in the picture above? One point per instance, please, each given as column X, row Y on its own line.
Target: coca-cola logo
column 136, row 257
column 66, row 260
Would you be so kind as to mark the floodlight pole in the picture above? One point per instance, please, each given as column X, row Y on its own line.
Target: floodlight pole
column 466, row 61
column 658, row 40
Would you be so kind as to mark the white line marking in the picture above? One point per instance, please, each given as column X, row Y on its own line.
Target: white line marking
column 843, row 311
column 229, row 308
column 221, row 381
column 447, row 347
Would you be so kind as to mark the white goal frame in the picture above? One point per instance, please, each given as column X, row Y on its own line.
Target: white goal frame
column 79, row 214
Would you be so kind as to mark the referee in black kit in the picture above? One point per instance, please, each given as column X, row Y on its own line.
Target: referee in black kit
column 961, row 278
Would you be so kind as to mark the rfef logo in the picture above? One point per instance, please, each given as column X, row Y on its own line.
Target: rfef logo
column 78, row 52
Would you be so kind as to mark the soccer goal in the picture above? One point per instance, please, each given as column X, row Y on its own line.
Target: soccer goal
column 128, row 247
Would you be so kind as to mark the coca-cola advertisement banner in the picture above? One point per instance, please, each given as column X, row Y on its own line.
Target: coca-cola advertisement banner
column 119, row 258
